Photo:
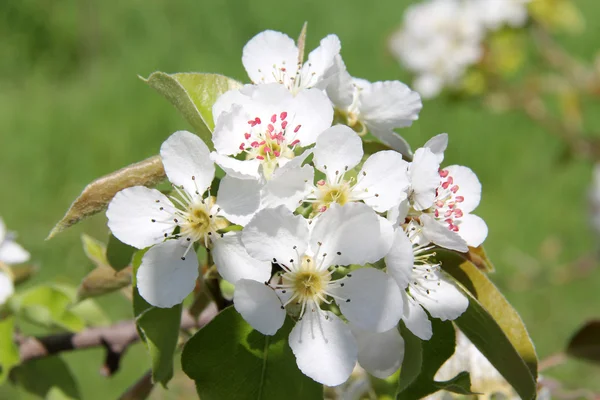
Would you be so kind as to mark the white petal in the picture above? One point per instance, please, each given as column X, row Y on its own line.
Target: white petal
column 338, row 149
column 233, row 261
column 438, row 145
column 320, row 64
column 400, row 259
column 12, row 253
column 341, row 87
column 241, row 169
column 389, row 105
column 187, row 162
column 381, row 354
column 437, row 232
column 239, row 199
column 397, row 215
column 416, row 320
column 276, row 234
column 230, row 129
column 353, row 230
column 266, row 54
column 287, row 187
column 468, row 186
column 383, row 180
column 131, row 212
column 6, row 287
column 472, row 229
column 325, row 349
column 445, row 301
column 164, row 279
column 227, row 100
column 258, row 304
column 424, row 178
column 386, row 235
column 392, row 139
column 375, row 300
column 312, row 111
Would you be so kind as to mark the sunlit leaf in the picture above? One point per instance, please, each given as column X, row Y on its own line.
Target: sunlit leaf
column 490, row 298
column 91, row 313
column 9, row 352
column 118, row 253
column 96, row 196
column 479, row 258
column 47, row 306
column 47, row 377
column 229, row 360
column 423, row 358
column 585, row 344
column 94, row 249
column 193, row 95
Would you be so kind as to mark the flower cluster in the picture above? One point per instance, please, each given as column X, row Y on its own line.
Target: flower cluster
column 440, row 39
column 10, row 253
column 302, row 223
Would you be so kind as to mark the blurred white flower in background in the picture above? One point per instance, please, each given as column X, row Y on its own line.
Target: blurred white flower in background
column 10, row 253
column 440, row 39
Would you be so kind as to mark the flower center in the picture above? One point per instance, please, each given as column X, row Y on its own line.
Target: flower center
column 269, row 142
column 447, row 203
column 307, row 282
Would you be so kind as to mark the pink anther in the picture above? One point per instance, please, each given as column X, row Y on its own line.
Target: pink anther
column 270, row 128
column 295, row 142
column 443, row 173
column 458, row 213
column 296, row 129
column 283, row 115
column 247, row 136
column 439, row 203
column 273, row 118
column 260, row 157
column 448, row 213
column 254, row 144
column 445, row 185
column 459, row 199
column 323, row 209
column 321, row 182
column 283, row 124
column 242, row 147
column 454, row 189
column 277, row 154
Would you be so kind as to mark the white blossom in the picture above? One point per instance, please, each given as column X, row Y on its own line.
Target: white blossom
column 494, row 14
column 378, row 107
column 273, row 57
column 370, row 300
column 143, row 217
column 381, row 182
column 7, row 288
column 424, row 285
column 438, row 41
column 443, row 199
column 10, row 251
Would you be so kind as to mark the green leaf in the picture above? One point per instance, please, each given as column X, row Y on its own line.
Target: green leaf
column 102, row 280
column 193, row 95
column 160, row 332
column 9, row 351
column 48, row 377
column 423, row 358
column 96, row 196
column 94, row 249
column 585, row 344
column 229, row 360
column 489, row 297
column 118, row 253
column 485, row 333
column 47, row 306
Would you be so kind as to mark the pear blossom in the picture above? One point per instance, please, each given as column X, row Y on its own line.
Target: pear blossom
column 378, row 107
column 264, row 125
column 10, row 251
column 324, row 346
column 438, row 41
column 381, row 183
column 7, row 288
column 273, row 57
column 143, row 217
column 424, row 286
column 443, row 199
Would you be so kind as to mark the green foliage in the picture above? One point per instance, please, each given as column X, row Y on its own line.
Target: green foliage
column 102, row 280
column 193, row 95
column 94, row 249
column 118, row 253
column 229, row 360
column 585, row 344
column 9, row 352
column 423, row 358
column 48, row 378
column 47, row 306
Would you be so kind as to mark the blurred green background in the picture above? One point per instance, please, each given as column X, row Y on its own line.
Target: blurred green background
column 72, row 109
